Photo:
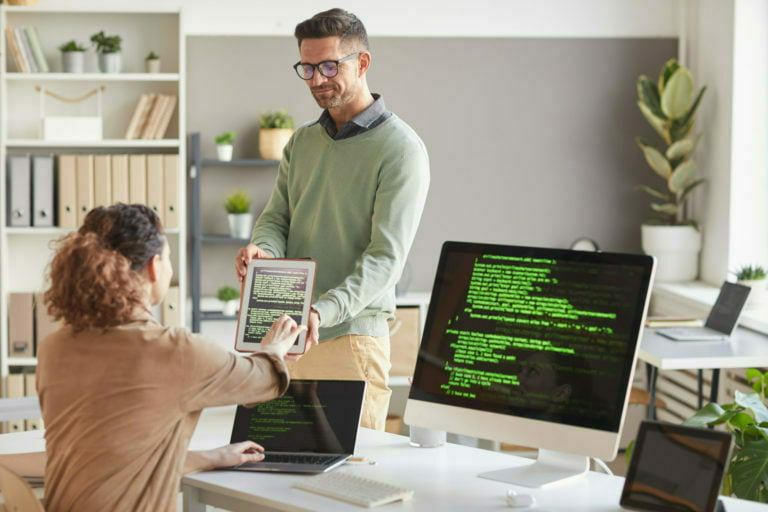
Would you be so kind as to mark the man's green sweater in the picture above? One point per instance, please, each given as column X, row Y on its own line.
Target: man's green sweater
column 353, row 205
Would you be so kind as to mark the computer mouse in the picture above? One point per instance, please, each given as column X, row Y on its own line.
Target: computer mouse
column 516, row 500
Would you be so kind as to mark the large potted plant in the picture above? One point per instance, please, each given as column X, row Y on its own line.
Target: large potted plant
column 747, row 418
column 239, row 218
column 108, row 48
column 669, row 105
column 275, row 128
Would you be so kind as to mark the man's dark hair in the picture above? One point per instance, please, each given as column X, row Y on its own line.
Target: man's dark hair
column 334, row 22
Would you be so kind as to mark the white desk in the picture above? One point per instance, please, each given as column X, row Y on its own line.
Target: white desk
column 745, row 349
column 445, row 479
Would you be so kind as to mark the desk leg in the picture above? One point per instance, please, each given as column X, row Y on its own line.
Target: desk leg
column 191, row 499
column 653, row 374
column 715, row 385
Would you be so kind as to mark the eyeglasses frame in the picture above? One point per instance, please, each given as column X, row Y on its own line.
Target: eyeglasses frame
column 317, row 66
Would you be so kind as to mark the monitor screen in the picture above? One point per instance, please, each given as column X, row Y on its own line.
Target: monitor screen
column 542, row 334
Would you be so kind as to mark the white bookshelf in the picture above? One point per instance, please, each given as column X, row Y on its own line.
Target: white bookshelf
column 24, row 251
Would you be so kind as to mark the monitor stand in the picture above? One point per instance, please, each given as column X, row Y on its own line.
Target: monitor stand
column 550, row 467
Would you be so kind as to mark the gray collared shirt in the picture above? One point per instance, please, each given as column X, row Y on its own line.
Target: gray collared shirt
column 366, row 120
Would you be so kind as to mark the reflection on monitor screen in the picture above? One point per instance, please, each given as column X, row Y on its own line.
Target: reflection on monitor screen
column 531, row 346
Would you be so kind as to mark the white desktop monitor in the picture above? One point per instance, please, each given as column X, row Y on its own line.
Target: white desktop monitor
column 534, row 347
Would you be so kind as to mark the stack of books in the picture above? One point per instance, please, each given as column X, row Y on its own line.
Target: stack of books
column 151, row 117
column 24, row 46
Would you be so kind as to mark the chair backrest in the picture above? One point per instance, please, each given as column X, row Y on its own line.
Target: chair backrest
column 17, row 493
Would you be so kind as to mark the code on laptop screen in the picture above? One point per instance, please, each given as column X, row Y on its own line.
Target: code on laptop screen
column 312, row 416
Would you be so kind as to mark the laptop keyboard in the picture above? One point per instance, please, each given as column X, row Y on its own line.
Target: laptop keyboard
column 293, row 458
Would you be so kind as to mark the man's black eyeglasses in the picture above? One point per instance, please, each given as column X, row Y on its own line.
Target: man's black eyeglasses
column 327, row 68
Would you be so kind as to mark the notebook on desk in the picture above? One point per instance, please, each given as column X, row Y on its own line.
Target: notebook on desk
column 721, row 320
column 312, row 428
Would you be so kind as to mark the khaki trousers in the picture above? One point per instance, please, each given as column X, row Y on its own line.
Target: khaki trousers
column 352, row 357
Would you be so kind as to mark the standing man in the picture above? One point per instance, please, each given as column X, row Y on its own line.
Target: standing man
column 349, row 194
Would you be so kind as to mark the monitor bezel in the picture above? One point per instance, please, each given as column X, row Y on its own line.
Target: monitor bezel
column 518, row 430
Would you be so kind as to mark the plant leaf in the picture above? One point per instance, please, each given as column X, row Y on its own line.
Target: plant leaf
column 648, row 94
column 681, row 149
column 658, row 124
column 677, row 97
column 652, row 191
column 666, row 208
column 655, row 159
column 690, row 187
column 680, row 127
column 750, row 469
column 706, row 415
column 682, row 176
column 754, row 402
column 666, row 72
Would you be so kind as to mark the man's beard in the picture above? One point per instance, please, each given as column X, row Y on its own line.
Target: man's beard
column 334, row 100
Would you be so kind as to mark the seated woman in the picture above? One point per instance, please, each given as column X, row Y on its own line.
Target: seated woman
column 121, row 394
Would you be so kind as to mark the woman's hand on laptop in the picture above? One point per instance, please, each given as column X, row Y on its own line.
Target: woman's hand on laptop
column 223, row 457
column 280, row 337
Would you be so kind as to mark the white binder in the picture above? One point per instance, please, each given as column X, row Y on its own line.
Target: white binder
column 42, row 190
column 19, row 193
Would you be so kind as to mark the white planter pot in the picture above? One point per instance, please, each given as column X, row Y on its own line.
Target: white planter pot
column 758, row 294
column 272, row 142
column 224, row 152
column 110, row 62
column 73, row 62
column 152, row 65
column 229, row 307
column 240, row 225
column 676, row 249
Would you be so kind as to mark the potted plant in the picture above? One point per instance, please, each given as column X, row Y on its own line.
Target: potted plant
column 72, row 57
column 228, row 297
column 275, row 128
column 753, row 276
column 224, row 146
column 747, row 419
column 108, row 48
column 669, row 105
column 239, row 218
column 152, row 62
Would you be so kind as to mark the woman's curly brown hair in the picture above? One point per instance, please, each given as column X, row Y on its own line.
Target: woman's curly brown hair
column 95, row 274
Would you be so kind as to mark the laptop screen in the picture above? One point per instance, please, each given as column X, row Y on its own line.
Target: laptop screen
column 320, row 416
column 725, row 313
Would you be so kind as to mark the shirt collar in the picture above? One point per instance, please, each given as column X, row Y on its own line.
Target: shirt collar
column 364, row 119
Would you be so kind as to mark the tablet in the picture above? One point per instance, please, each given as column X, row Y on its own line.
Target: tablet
column 273, row 287
column 676, row 468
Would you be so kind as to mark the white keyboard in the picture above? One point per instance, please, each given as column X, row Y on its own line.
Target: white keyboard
column 353, row 489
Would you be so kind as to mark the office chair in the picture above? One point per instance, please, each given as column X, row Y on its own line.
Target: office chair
column 17, row 493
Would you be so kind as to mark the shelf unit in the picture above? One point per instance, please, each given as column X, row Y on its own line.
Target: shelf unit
column 196, row 165
column 24, row 251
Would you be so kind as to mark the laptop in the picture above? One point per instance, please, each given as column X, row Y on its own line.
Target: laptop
column 722, row 318
column 312, row 428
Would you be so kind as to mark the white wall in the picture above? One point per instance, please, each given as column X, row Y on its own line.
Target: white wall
column 478, row 18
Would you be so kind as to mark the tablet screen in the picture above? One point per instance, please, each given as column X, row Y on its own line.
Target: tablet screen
column 273, row 287
column 676, row 468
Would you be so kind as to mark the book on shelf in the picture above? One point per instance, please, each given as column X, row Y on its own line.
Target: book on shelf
column 26, row 50
column 140, row 116
column 15, row 51
column 37, row 49
column 160, row 117
column 165, row 117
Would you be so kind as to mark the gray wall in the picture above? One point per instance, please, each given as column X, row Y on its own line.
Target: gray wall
column 530, row 140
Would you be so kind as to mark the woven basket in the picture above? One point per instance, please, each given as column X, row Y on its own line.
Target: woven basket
column 21, row 2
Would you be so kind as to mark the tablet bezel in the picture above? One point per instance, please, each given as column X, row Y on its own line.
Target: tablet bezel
column 308, row 264
column 626, row 500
